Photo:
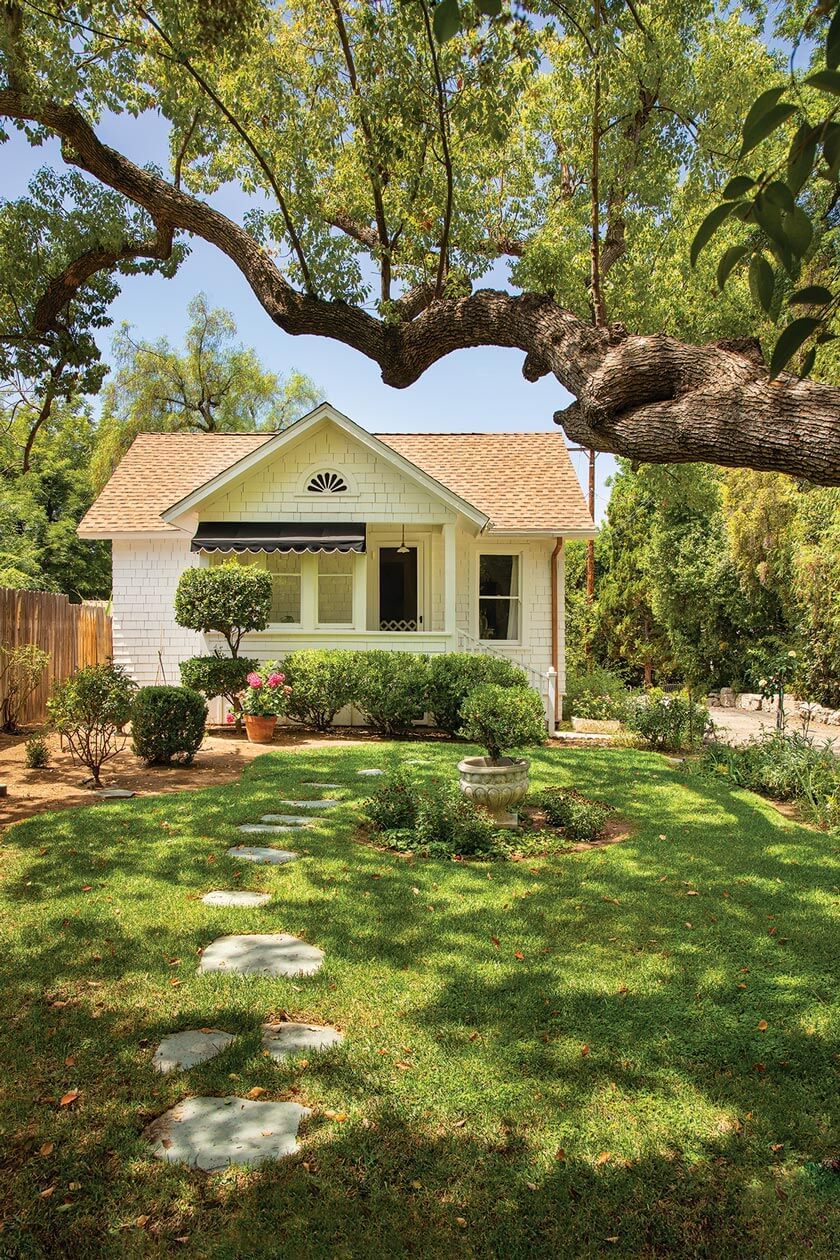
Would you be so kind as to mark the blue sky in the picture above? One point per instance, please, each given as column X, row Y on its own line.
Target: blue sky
column 481, row 390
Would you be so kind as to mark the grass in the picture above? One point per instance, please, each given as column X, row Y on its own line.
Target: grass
column 598, row 1082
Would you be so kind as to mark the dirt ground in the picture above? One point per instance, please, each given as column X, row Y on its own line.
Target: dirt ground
column 221, row 759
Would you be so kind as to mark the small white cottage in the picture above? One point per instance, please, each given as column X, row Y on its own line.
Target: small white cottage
column 430, row 542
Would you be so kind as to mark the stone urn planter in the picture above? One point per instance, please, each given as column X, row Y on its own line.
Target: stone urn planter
column 260, row 729
column 498, row 786
column 596, row 726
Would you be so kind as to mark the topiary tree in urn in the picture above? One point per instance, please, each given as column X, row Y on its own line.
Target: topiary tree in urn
column 500, row 719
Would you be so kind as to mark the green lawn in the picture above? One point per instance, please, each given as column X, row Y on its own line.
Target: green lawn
column 595, row 1083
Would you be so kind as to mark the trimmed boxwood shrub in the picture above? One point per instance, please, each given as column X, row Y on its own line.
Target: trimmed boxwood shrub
column 580, row 818
column 167, row 723
column 322, row 682
column 453, row 675
column 501, row 719
column 391, row 688
column 232, row 599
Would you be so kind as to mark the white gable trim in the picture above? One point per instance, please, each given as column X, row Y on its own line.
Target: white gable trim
column 301, row 429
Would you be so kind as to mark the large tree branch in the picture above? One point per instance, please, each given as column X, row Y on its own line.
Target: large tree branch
column 649, row 398
column 64, row 287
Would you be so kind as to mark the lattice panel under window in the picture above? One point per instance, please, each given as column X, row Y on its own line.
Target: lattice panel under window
column 398, row 627
column 327, row 483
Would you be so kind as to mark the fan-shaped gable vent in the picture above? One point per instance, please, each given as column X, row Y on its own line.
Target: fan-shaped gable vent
column 327, row 483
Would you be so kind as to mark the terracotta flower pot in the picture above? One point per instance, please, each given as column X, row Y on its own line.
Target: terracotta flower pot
column 260, row 729
column 497, row 786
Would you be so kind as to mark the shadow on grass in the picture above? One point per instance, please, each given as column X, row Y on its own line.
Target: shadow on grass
column 494, row 1014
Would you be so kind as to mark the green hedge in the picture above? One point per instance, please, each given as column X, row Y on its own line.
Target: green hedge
column 167, row 723
column 216, row 675
column 453, row 675
column 322, row 682
column 391, row 689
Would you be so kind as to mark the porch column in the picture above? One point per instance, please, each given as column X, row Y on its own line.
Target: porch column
column 360, row 592
column 449, row 582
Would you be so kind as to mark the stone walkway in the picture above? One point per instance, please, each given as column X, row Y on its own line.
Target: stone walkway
column 212, row 1133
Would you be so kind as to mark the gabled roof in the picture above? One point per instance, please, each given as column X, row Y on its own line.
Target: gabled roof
column 521, row 482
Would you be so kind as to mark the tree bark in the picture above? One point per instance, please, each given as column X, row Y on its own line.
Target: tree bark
column 650, row 398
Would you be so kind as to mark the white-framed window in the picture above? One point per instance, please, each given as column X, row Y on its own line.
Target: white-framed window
column 335, row 588
column 284, row 568
column 500, row 597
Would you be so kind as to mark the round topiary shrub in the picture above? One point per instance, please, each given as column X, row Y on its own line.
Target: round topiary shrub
column 167, row 724
column 501, row 719
column 453, row 675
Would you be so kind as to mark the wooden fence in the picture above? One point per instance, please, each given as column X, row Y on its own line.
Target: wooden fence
column 73, row 634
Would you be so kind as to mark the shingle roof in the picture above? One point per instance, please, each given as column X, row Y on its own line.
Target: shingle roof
column 522, row 481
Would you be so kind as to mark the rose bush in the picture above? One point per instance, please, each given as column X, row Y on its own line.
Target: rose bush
column 266, row 693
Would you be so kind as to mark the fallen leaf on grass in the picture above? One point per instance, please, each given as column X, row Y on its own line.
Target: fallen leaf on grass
column 759, row 1067
column 47, row 1148
column 519, row 955
column 459, row 1124
column 762, row 1025
column 166, row 1143
column 584, row 1050
column 256, row 1091
column 68, row 1098
column 776, row 1147
column 45, row 1194
column 692, row 892
column 75, row 1185
column 495, row 941
column 404, row 1067
column 603, row 1158
column 560, row 1155
column 338, row 1116
column 613, row 900
column 87, row 887
column 460, row 1220
column 174, row 982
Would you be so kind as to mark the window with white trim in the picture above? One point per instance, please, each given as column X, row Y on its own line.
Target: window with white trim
column 335, row 588
column 499, row 597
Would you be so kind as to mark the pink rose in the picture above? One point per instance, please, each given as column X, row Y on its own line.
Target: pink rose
column 254, row 680
column 274, row 680
column 229, row 718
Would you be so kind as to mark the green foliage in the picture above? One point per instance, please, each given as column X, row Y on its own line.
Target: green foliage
column 785, row 766
column 232, row 599
column 600, row 708
column 21, row 670
column 393, row 806
column 815, row 536
column 582, row 820
column 217, row 675
column 37, row 753
column 587, row 689
column 167, row 724
column 503, row 718
column 452, row 675
column 323, row 681
column 89, row 710
column 432, row 818
column 390, row 689
column 669, row 723
column 787, row 209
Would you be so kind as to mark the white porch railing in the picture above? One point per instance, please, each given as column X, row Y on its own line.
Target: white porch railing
column 545, row 684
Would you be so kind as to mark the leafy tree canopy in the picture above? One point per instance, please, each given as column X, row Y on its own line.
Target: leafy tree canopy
column 391, row 168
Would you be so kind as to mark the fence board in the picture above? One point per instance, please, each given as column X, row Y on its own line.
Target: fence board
column 73, row 634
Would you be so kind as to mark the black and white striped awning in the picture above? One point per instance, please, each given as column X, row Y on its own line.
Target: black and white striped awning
column 264, row 536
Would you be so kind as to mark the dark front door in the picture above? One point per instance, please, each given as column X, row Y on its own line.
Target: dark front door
column 398, row 589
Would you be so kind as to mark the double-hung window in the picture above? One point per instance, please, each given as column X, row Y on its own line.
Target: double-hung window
column 499, row 597
column 284, row 567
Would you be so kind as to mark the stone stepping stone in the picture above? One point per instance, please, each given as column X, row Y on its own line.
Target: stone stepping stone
column 264, row 953
column 369, row 773
column 322, row 804
column 288, row 820
column 115, row 794
column 319, row 785
column 281, row 1040
column 183, row 1050
column 236, row 897
column 266, row 857
column 266, row 829
column 213, row 1133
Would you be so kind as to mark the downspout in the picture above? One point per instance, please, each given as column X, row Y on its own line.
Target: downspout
column 555, row 630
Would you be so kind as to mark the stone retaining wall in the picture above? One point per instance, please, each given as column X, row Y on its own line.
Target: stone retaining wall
column 726, row 698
